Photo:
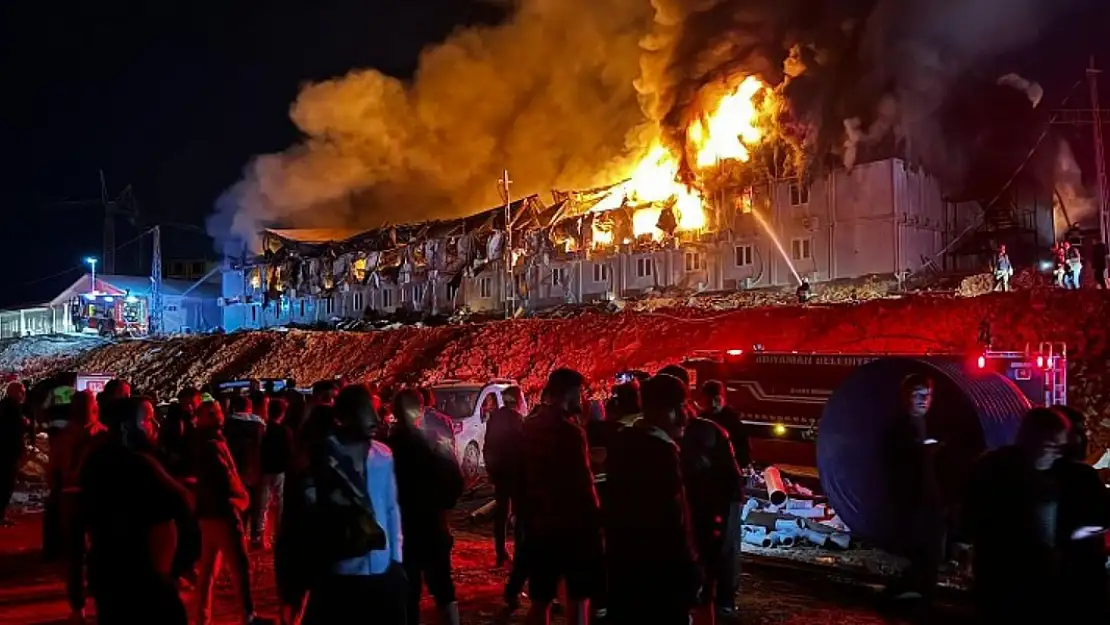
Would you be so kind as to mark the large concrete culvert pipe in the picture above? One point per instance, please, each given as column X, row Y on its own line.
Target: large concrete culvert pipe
column 972, row 411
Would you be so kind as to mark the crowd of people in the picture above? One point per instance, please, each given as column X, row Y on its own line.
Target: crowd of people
column 142, row 507
column 632, row 509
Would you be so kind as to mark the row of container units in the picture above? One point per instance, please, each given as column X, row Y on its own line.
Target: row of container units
column 34, row 321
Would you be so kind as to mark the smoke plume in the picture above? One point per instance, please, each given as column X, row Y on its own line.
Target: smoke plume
column 857, row 71
column 567, row 92
column 547, row 95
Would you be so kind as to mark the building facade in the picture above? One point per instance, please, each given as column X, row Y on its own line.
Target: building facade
column 880, row 218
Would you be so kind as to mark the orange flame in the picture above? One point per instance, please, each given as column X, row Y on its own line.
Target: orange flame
column 601, row 237
column 727, row 132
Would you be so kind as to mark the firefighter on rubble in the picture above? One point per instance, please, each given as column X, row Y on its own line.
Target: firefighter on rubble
column 804, row 291
column 1073, row 265
column 1003, row 270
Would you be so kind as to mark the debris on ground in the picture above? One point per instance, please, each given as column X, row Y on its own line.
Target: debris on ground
column 601, row 344
column 34, row 355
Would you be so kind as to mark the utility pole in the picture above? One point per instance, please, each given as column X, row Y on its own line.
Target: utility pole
column 1100, row 154
column 123, row 205
column 510, row 299
column 109, row 229
column 157, row 310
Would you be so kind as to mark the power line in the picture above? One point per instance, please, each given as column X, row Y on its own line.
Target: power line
column 56, row 275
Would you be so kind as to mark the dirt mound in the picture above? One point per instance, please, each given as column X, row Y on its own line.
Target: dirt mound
column 600, row 344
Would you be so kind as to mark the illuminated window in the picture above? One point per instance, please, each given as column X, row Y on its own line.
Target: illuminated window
column 799, row 194
column 601, row 272
column 743, row 255
column 485, row 288
column 801, row 249
column 694, row 261
column 644, row 268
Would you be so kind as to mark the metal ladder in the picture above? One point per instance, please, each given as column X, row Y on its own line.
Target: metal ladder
column 1056, row 373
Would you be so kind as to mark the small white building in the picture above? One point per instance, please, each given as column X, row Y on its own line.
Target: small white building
column 187, row 306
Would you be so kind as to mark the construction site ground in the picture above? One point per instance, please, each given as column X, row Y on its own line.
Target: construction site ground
column 803, row 586
column 773, row 592
column 646, row 336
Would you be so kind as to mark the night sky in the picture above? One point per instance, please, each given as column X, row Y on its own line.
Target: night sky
column 174, row 97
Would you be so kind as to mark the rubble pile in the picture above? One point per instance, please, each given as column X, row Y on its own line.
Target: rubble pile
column 846, row 292
column 983, row 283
column 34, row 355
column 602, row 344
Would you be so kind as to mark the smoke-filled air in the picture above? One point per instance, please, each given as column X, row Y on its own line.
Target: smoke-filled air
column 663, row 94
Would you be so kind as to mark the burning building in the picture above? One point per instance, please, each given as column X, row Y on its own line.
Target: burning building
column 880, row 218
column 722, row 145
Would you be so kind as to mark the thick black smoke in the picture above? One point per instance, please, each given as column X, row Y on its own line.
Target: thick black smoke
column 568, row 93
column 853, row 73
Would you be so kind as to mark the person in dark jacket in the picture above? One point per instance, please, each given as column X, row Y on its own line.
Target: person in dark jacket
column 277, row 457
column 1098, row 265
column 916, row 495
column 142, row 531
column 1078, row 435
column 504, row 434
column 429, row 484
column 437, row 425
column 559, row 503
column 719, row 412
column 221, row 501
column 295, row 411
column 176, row 433
column 1033, row 517
column 715, row 492
column 81, row 436
column 653, row 565
column 244, row 431
column 13, row 436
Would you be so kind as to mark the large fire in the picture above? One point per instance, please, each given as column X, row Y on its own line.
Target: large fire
column 726, row 133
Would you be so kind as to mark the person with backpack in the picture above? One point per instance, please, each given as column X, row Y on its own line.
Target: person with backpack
column 347, row 542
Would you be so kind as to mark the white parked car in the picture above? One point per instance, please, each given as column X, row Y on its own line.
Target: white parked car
column 469, row 405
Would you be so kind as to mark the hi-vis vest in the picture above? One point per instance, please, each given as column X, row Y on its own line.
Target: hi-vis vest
column 63, row 395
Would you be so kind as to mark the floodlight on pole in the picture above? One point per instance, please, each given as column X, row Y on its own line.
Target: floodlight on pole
column 92, row 263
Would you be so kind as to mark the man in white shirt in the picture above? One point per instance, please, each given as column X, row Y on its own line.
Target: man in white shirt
column 370, row 587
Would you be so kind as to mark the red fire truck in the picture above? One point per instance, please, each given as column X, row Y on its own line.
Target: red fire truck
column 110, row 315
column 781, row 395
